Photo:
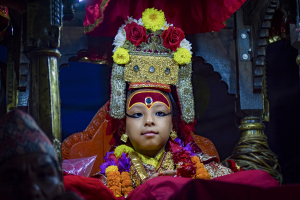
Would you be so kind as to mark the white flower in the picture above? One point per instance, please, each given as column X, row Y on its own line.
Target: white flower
column 120, row 38
column 130, row 19
column 186, row 45
column 140, row 22
column 166, row 26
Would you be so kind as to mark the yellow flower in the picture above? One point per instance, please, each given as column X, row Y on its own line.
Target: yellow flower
column 121, row 56
column 182, row 56
column 153, row 19
column 122, row 148
column 111, row 169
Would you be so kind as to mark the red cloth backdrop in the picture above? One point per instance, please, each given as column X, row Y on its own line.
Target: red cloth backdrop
column 104, row 17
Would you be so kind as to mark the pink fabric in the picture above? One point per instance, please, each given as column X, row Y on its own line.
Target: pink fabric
column 249, row 185
column 192, row 16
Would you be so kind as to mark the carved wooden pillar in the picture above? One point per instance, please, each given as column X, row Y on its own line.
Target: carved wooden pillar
column 252, row 30
column 42, row 42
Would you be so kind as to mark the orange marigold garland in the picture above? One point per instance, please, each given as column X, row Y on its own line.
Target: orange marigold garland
column 113, row 180
column 126, row 183
column 201, row 171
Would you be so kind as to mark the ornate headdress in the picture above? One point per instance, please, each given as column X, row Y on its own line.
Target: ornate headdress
column 150, row 53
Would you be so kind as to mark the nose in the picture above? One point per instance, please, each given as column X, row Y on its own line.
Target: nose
column 149, row 121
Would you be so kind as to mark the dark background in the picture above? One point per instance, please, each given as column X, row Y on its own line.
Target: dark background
column 85, row 87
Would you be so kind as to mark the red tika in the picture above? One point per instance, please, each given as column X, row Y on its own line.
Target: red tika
column 104, row 17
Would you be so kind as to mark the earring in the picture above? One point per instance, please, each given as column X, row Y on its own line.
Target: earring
column 173, row 135
column 124, row 137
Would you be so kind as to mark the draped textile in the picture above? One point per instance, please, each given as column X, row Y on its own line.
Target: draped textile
column 104, row 17
column 4, row 21
column 250, row 185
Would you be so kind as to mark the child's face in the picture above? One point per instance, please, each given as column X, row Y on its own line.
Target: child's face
column 148, row 126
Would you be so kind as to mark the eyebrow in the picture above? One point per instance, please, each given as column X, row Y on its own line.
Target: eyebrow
column 137, row 106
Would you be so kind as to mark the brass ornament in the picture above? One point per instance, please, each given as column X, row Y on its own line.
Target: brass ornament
column 151, row 68
column 252, row 151
column 173, row 135
column 124, row 137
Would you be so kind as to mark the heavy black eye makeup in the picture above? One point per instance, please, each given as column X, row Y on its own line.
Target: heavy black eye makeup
column 162, row 114
column 135, row 115
column 138, row 115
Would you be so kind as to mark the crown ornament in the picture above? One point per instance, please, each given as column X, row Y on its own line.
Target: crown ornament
column 150, row 53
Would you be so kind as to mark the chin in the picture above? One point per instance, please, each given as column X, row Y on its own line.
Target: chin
column 152, row 146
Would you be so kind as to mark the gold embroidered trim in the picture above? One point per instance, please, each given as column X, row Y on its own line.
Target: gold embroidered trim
column 166, row 163
column 151, row 161
column 91, row 27
column 160, row 73
column 149, row 85
column 138, row 165
column 134, row 176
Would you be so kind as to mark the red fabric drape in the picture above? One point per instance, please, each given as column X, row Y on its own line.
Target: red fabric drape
column 104, row 17
column 249, row 185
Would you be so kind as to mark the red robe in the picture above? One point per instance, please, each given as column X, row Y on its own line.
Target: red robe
column 253, row 184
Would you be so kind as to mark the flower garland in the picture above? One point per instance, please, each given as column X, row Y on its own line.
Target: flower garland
column 201, row 171
column 119, row 150
column 113, row 180
column 126, row 183
column 188, row 163
column 117, row 166
column 135, row 31
column 116, row 162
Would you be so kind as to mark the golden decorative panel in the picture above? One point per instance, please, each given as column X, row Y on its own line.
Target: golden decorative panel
column 151, row 68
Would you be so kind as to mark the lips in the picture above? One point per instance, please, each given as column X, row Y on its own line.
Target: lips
column 150, row 133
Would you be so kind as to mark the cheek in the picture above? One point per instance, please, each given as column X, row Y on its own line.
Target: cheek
column 133, row 127
column 165, row 125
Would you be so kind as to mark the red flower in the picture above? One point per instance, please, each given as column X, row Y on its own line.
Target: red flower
column 186, row 170
column 172, row 37
column 135, row 33
column 181, row 156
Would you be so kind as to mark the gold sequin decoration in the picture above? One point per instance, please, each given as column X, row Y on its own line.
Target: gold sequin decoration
column 138, row 165
column 134, row 176
column 158, row 76
column 166, row 163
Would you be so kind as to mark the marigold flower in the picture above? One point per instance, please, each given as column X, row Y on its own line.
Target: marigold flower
column 127, row 190
column 182, row 56
column 121, row 56
column 125, row 176
column 126, row 183
column 153, row 19
column 110, row 169
column 195, row 159
column 116, row 191
column 122, row 148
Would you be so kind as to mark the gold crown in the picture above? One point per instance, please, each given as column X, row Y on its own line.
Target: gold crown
column 151, row 59
column 151, row 68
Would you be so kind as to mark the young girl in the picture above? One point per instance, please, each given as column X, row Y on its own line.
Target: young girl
column 151, row 118
column 152, row 127
column 151, row 147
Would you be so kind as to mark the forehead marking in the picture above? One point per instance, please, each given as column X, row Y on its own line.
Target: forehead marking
column 148, row 99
